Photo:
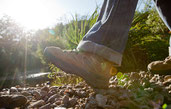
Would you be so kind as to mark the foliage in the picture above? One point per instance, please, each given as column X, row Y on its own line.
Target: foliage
column 77, row 28
column 148, row 41
column 122, row 78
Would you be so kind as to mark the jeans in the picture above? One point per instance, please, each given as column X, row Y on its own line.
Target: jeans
column 108, row 36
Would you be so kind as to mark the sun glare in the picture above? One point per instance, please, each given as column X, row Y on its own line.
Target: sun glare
column 33, row 14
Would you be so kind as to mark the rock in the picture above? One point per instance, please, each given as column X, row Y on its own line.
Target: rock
column 167, row 82
column 43, row 93
column 53, row 88
column 45, row 88
column 52, row 98
column 47, row 106
column 37, row 104
column 13, row 90
column 58, row 102
column 149, row 89
column 101, row 100
column 37, row 95
column 92, row 104
column 168, row 87
column 81, row 94
column 73, row 102
column 25, row 93
column 12, row 101
column 128, row 104
column 123, row 96
column 167, row 77
column 65, row 101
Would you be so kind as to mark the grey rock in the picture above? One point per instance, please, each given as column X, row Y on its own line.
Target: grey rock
column 101, row 100
column 65, row 101
column 37, row 104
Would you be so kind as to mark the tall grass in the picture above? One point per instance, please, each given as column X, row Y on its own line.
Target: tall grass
column 77, row 28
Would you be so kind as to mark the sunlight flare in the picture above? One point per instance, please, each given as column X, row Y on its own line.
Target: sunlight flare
column 33, row 14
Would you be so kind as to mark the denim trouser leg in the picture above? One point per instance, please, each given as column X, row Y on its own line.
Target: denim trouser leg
column 108, row 37
column 164, row 10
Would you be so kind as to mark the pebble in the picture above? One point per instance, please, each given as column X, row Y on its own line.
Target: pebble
column 73, row 102
column 167, row 77
column 43, row 93
column 37, row 95
column 13, row 90
column 45, row 88
column 65, row 101
column 101, row 100
column 53, row 97
column 37, row 104
column 25, row 93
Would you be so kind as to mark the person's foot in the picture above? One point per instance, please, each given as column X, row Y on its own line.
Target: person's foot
column 161, row 67
column 92, row 68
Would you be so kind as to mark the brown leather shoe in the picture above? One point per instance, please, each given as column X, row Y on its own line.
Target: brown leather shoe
column 92, row 68
column 161, row 67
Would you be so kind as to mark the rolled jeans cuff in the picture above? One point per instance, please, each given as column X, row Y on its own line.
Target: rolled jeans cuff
column 101, row 50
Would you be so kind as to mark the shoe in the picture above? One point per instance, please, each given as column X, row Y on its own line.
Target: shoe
column 92, row 68
column 161, row 67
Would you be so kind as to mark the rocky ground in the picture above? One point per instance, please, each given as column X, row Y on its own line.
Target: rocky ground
column 127, row 91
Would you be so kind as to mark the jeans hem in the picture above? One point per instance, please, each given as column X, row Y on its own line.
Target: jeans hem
column 101, row 50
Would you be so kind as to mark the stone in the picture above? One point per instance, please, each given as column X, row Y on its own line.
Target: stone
column 12, row 101
column 37, row 95
column 167, row 82
column 13, row 90
column 52, row 98
column 25, row 93
column 58, row 102
column 167, row 77
column 65, row 101
column 45, row 88
column 43, row 93
column 73, row 102
column 101, row 100
column 37, row 104
column 47, row 106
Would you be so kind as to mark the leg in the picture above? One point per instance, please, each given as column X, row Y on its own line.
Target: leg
column 102, row 46
column 108, row 37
